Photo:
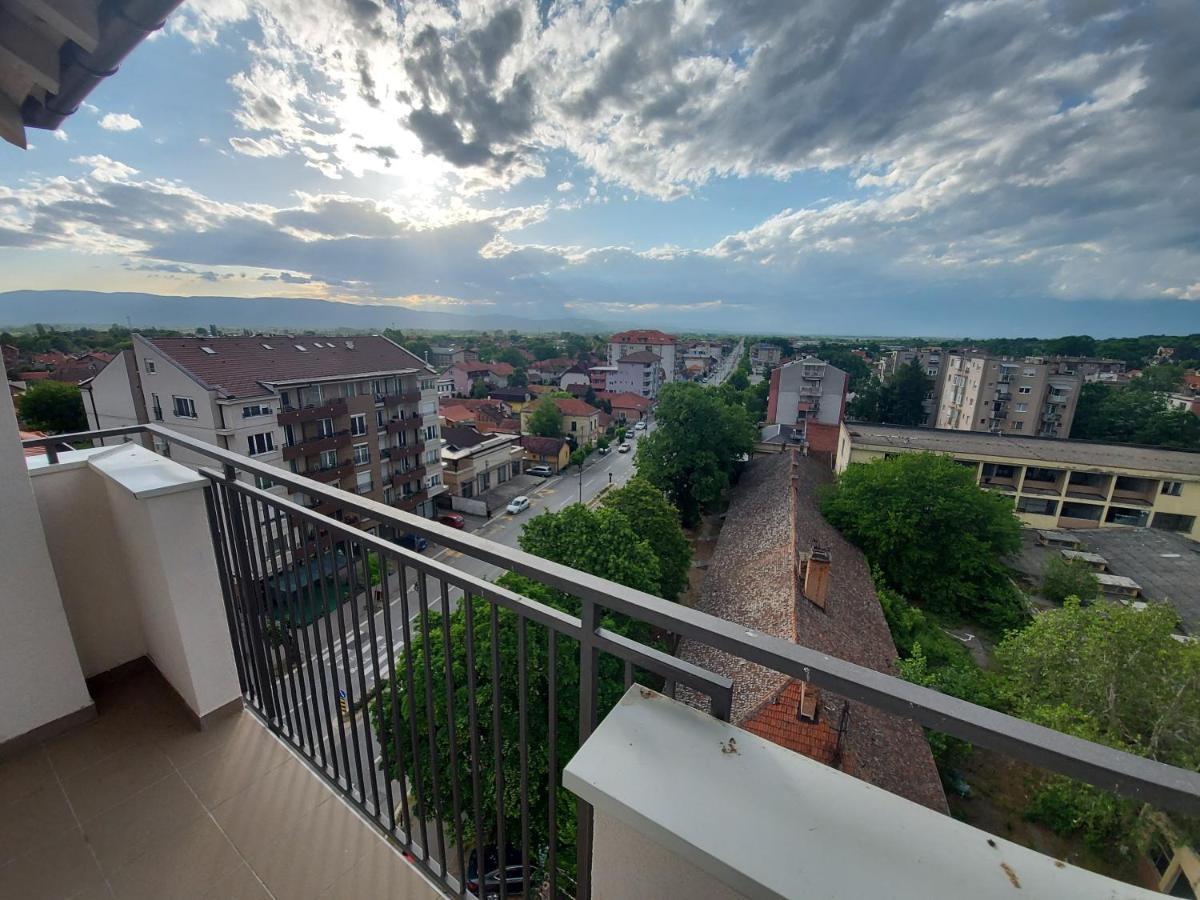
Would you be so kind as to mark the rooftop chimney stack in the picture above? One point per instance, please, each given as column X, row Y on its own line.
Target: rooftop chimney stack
column 816, row 575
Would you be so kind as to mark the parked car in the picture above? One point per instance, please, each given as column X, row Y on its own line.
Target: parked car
column 513, row 873
column 624, row 448
column 602, row 450
column 517, row 505
column 413, row 542
column 540, row 471
column 454, row 520
column 640, row 426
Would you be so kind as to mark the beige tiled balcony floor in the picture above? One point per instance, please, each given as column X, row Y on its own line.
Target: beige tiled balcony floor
column 139, row 804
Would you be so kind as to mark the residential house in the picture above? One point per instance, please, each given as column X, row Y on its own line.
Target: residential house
column 640, row 372
column 473, row 463
column 780, row 569
column 357, row 413
column 546, row 451
column 626, row 406
column 577, row 375
column 806, row 402
column 465, row 375
column 445, row 356
column 1055, row 483
column 12, row 357
column 549, row 371
column 514, row 398
column 445, row 384
column 580, row 422
column 663, row 346
column 598, row 376
column 112, row 398
column 999, row 395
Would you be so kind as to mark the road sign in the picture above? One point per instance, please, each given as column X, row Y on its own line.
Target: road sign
column 343, row 705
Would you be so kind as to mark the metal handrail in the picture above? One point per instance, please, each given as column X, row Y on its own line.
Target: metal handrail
column 1105, row 767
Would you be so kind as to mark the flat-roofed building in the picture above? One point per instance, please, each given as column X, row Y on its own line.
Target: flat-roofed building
column 1055, row 483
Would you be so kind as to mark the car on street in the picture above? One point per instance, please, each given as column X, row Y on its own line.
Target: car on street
column 603, row 451
column 454, row 520
column 624, row 448
column 514, row 873
column 413, row 542
column 640, row 426
column 540, row 471
column 517, row 505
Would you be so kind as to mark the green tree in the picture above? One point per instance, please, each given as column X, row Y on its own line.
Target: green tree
column 601, row 542
column 906, row 396
column 512, row 356
column 518, row 378
column 53, row 406
column 1111, row 674
column 1137, row 414
column 644, row 505
column 700, row 443
column 479, row 389
column 935, row 536
column 1065, row 578
column 546, row 420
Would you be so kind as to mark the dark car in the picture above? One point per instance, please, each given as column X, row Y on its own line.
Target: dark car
column 413, row 542
column 454, row 520
column 513, row 873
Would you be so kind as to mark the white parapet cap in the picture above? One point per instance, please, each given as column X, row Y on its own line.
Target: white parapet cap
column 142, row 472
column 772, row 823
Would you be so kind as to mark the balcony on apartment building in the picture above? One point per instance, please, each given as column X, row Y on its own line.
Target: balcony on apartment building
column 999, row 477
column 1138, row 491
column 316, row 444
column 331, row 474
column 1089, row 486
column 266, row 627
column 329, row 409
column 1043, row 481
column 404, row 398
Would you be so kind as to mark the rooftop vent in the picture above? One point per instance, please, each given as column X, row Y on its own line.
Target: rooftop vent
column 209, row 350
column 349, row 345
column 267, row 347
column 300, row 347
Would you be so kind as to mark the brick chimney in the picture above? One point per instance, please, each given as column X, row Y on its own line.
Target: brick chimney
column 816, row 575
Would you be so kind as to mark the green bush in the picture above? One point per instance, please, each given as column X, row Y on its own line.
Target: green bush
column 1065, row 578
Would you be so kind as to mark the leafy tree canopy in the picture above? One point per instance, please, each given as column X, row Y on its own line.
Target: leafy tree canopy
column 658, row 521
column 53, row 406
column 1136, row 414
column 699, row 444
column 898, row 402
column 1065, row 578
column 934, row 534
column 546, row 420
column 479, row 389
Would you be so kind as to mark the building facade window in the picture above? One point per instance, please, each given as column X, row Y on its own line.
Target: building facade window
column 157, row 407
column 184, row 407
column 358, row 424
column 431, row 432
column 362, row 454
column 1022, row 407
column 435, row 480
column 1025, row 390
column 151, row 368
column 362, row 482
column 255, row 409
column 325, row 428
column 328, row 459
column 380, row 418
column 263, row 442
column 262, row 483
column 1172, row 488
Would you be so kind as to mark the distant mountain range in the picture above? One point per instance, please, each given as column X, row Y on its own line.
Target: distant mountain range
column 97, row 308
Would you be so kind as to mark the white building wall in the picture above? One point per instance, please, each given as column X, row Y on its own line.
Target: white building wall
column 109, row 399
column 39, row 669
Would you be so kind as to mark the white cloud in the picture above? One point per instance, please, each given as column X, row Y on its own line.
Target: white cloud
column 564, row 186
column 253, row 147
column 60, row 135
column 119, row 122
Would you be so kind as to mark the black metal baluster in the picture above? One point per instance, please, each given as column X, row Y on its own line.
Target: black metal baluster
column 306, row 628
column 410, row 690
column 282, row 668
column 258, row 616
column 210, row 506
column 362, row 669
column 431, row 718
column 498, row 752
column 394, row 693
column 348, row 680
column 257, row 662
column 588, row 670
column 378, row 689
column 327, row 616
column 275, row 529
column 452, row 729
column 523, row 740
column 473, row 720
column 552, row 737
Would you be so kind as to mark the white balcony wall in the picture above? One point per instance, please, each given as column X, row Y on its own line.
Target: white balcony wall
column 39, row 670
column 131, row 546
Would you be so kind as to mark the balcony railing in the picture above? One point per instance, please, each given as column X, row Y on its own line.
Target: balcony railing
column 329, row 681
column 290, row 415
column 314, row 445
column 412, row 474
column 332, row 474
column 406, row 398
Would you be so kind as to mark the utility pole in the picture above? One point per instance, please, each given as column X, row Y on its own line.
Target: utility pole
column 581, row 482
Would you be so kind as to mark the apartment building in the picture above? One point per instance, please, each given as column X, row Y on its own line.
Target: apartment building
column 580, row 421
column 640, row 373
column 443, row 357
column 807, row 402
column 1055, row 483
column 1004, row 396
column 764, row 357
column 358, row 413
column 663, row 346
column 930, row 359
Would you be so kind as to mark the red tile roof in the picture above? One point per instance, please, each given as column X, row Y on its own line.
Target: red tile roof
column 572, row 406
column 646, row 336
column 640, row 356
column 242, row 365
column 542, row 446
column 624, row 400
column 456, row 413
column 32, row 376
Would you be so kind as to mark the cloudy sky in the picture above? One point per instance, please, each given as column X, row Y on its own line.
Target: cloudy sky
column 840, row 166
